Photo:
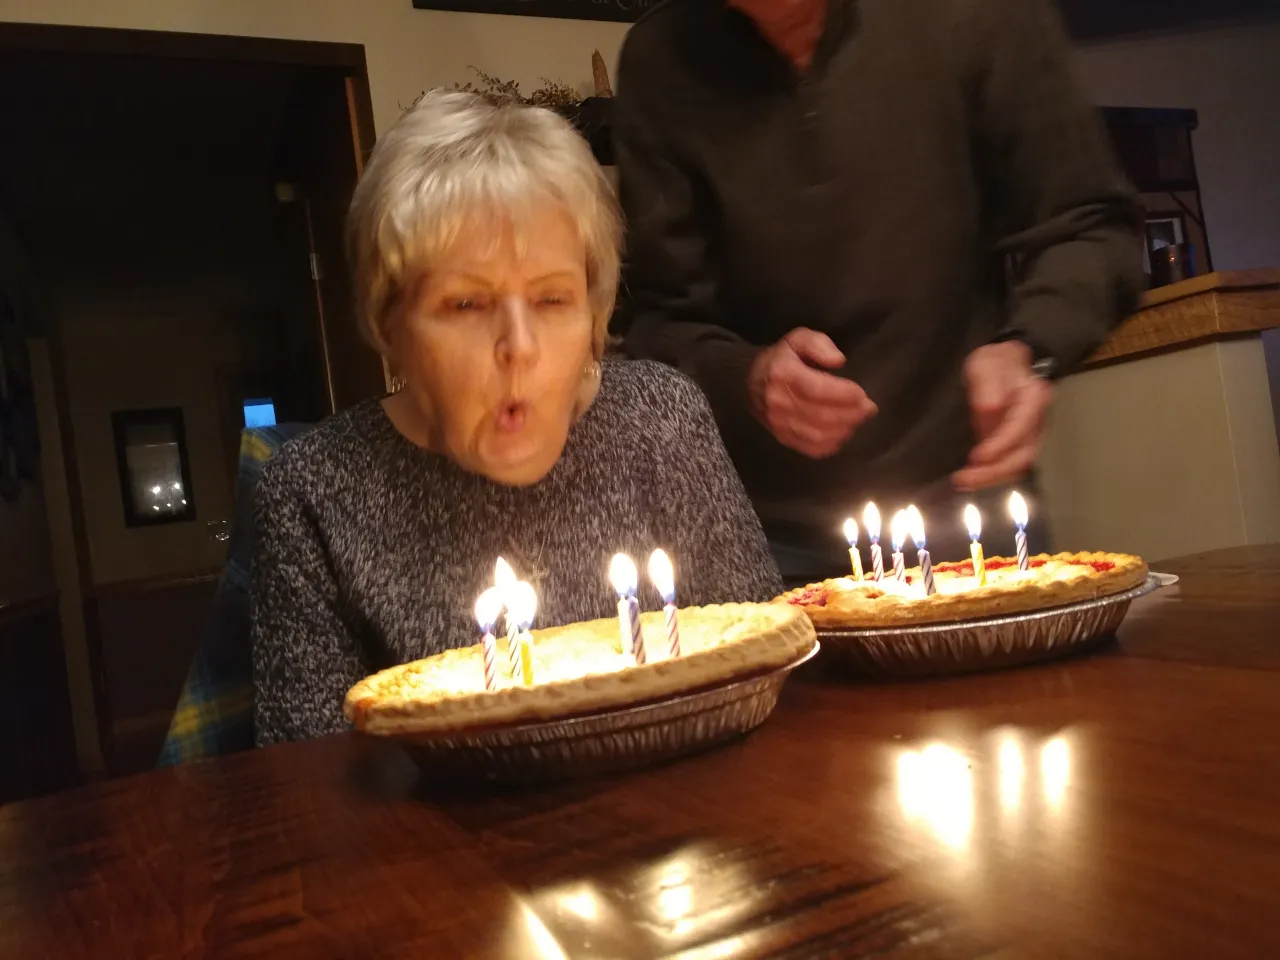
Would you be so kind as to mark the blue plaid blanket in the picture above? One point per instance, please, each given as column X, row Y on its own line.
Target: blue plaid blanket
column 215, row 712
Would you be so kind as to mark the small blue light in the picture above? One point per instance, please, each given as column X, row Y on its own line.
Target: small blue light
column 260, row 413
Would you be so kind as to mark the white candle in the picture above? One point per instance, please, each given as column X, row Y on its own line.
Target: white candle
column 663, row 576
column 973, row 520
column 626, row 579
column 488, row 608
column 916, row 522
column 855, row 558
column 871, row 520
column 898, row 533
column 1018, row 510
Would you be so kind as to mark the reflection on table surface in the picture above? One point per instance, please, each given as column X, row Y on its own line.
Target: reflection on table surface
column 1121, row 804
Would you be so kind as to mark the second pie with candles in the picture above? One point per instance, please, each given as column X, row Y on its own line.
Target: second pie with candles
column 843, row 603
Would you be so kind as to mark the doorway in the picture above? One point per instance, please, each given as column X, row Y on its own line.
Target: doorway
column 180, row 201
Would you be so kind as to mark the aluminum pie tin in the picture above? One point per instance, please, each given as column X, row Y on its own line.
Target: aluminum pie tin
column 971, row 646
column 600, row 743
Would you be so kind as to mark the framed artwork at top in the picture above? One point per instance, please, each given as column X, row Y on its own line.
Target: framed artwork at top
column 621, row 11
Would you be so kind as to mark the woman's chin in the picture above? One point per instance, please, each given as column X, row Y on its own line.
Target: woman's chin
column 517, row 462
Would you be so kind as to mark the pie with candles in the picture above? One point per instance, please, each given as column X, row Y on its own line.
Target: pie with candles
column 1051, row 581
column 580, row 669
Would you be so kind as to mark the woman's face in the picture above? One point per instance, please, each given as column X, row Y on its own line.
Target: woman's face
column 495, row 348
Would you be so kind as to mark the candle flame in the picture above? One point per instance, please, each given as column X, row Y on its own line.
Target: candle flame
column 898, row 530
column 1018, row 510
column 871, row 520
column 504, row 578
column 915, row 526
column 523, row 604
column 973, row 520
column 663, row 575
column 623, row 575
column 851, row 531
column 488, row 607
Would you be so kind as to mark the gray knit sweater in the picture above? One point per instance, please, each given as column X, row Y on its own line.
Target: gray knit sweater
column 370, row 551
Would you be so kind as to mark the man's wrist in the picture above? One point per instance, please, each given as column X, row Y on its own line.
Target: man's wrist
column 1044, row 365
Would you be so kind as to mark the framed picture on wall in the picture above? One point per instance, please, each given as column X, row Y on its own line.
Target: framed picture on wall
column 1164, row 230
column 155, row 475
column 621, row 11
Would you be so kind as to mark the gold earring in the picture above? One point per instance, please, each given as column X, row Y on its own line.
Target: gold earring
column 592, row 370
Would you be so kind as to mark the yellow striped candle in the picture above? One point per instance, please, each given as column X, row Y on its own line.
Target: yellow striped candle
column 973, row 520
column 524, row 604
column 855, row 558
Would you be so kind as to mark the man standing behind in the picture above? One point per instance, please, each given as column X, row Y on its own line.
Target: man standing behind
column 873, row 231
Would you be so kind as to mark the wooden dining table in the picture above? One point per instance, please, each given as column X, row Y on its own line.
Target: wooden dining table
column 1124, row 803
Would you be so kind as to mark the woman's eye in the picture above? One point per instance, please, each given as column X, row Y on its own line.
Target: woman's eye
column 464, row 304
column 553, row 300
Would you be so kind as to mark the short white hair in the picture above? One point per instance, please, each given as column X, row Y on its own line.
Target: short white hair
column 454, row 156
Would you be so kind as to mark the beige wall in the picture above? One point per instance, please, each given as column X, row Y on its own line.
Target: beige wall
column 1166, row 456
column 408, row 50
column 1232, row 76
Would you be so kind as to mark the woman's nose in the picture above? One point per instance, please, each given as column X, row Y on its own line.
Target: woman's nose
column 517, row 342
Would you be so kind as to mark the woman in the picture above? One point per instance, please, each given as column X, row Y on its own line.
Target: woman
column 485, row 244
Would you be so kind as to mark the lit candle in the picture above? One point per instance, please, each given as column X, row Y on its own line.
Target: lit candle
column 973, row 520
column 622, row 571
column 488, row 609
column 663, row 576
column 871, row 520
column 898, row 533
column 916, row 523
column 523, row 606
column 851, row 534
column 1018, row 510
column 504, row 580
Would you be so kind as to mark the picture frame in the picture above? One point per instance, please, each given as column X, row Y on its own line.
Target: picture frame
column 153, row 466
column 617, row 11
column 1164, row 228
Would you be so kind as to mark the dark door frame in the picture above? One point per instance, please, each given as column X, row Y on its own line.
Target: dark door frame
column 345, row 59
column 348, row 58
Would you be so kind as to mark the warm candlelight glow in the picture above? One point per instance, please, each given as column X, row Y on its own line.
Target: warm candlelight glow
column 851, row 531
column 1013, row 770
column 1055, row 770
column 1018, row 510
column 871, row 520
column 973, row 520
column 935, row 786
column 523, row 605
column 898, row 530
column 915, row 526
column 623, row 575
column 489, row 608
column 663, row 575
column 504, row 578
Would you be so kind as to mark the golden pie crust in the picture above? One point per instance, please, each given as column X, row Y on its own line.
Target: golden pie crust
column 580, row 669
column 1052, row 581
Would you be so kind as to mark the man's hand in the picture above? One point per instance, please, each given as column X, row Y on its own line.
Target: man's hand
column 805, row 408
column 1009, row 406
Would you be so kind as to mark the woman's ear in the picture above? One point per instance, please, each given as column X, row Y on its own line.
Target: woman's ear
column 589, row 389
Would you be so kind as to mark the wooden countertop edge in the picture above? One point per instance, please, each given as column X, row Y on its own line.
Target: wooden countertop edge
column 1216, row 306
column 1221, row 280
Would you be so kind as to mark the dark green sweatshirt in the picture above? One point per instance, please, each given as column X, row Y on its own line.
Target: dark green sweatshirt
column 880, row 198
